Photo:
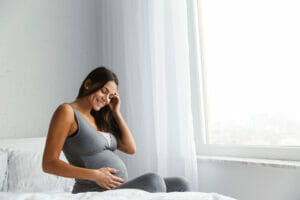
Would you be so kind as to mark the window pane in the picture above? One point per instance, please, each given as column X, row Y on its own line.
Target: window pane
column 252, row 69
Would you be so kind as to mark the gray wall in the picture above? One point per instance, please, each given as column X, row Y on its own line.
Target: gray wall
column 249, row 181
column 46, row 50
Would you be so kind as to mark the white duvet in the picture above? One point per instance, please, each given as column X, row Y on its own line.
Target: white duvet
column 120, row 194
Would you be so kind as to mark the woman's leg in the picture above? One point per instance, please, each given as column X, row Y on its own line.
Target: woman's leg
column 150, row 182
column 177, row 184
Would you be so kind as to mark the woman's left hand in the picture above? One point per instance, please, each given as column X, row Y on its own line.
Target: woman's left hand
column 114, row 104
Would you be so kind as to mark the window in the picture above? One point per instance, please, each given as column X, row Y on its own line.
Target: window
column 250, row 61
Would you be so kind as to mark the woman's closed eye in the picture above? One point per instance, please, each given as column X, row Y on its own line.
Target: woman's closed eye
column 105, row 92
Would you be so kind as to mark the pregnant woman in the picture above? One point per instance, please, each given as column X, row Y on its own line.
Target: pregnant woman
column 88, row 131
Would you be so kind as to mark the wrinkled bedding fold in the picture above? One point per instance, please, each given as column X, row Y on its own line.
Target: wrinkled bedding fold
column 121, row 194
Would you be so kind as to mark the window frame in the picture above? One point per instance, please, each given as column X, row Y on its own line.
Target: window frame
column 200, row 113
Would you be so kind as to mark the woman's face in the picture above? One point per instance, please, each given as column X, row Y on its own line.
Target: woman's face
column 103, row 96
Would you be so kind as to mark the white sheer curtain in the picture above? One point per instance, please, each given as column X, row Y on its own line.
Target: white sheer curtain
column 146, row 44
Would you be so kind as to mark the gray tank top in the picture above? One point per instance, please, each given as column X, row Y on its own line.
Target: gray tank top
column 88, row 148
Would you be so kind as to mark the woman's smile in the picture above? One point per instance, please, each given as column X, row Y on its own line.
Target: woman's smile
column 99, row 102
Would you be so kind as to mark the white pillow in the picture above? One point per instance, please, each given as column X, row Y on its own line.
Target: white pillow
column 25, row 173
column 3, row 170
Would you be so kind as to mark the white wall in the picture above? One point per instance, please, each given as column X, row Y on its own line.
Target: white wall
column 249, row 181
column 46, row 50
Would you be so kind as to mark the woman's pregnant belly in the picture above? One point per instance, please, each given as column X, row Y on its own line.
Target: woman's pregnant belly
column 106, row 158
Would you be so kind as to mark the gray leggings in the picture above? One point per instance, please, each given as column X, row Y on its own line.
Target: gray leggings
column 150, row 182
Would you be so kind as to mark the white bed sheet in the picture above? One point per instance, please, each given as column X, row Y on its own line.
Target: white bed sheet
column 120, row 194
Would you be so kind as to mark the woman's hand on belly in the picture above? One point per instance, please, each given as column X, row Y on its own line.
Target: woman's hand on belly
column 104, row 178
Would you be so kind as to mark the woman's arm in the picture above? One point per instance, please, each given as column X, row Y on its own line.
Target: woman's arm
column 59, row 128
column 127, row 143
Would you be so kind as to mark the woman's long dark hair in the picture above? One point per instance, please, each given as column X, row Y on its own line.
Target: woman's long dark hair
column 104, row 117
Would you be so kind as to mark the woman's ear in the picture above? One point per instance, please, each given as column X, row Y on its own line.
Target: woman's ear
column 87, row 84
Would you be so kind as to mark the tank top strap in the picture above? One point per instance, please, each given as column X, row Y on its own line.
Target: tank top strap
column 77, row 114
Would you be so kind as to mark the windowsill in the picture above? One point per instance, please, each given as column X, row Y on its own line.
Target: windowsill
column 251, row 161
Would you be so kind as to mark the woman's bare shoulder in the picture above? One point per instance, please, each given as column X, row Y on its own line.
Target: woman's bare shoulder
column 64, row 110
column 65, row 107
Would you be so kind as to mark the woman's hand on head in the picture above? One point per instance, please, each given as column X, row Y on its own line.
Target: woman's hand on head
column 105, row 179
column 114, row 104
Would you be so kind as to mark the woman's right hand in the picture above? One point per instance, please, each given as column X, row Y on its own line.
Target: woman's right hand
column 105, row 179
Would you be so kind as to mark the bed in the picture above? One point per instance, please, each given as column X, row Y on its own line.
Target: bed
column 21, row 177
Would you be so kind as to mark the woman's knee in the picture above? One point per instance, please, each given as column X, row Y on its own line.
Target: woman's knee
column 155, row 182
column 185, row 184
column 180, row 184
